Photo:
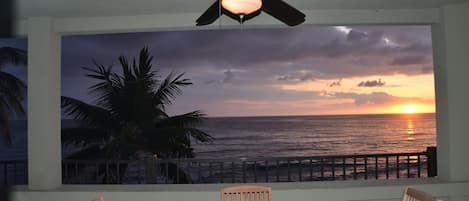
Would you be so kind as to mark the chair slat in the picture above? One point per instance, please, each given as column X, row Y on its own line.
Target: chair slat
column 246, row 193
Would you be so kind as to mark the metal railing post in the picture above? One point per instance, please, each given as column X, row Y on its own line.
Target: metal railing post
column 432, row 170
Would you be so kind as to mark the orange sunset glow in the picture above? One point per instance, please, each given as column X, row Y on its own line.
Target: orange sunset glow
column 399, row 94
column 410, row 109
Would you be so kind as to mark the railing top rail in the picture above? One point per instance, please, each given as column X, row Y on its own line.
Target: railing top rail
column 12, row 161
column 84, row 161
column 239, row 159
column 300, row 158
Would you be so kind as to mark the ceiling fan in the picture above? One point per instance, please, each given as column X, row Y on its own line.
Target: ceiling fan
column 243, row 10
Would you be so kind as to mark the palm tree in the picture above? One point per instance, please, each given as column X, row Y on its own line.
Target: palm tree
column 129, row 114
column 12, row 89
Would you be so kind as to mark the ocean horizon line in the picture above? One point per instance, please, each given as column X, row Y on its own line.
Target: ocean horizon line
column 309, row 115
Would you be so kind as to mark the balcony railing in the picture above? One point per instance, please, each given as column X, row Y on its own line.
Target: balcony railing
column 13, row 172
column 244, row 170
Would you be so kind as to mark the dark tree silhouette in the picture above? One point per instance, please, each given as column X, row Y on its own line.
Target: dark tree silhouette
column 12, row 89
column 128, row 115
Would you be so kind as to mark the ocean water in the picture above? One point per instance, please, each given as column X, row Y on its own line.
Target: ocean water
column 290, row 136
column 253, row 137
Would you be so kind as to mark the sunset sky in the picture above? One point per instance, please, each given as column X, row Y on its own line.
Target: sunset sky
column 257, row 72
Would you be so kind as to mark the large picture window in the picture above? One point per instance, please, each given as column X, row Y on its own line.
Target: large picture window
column 249, row 105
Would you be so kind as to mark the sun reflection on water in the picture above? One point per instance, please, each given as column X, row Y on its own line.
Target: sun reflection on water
column 410, row 129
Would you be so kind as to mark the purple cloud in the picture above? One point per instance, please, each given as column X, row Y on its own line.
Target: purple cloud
column 409, row 60
column 299, row 76
column 336, row 83
column 229, row 76
column 371, row 83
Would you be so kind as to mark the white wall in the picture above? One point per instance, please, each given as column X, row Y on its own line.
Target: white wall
column 451, row 39
column 328, row 191
column 186, row 21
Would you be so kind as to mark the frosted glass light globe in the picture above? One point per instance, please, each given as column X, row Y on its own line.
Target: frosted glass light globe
column 242, row 7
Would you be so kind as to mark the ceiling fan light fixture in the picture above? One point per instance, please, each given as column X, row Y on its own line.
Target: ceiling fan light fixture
column 242, row 7
column 243, row 10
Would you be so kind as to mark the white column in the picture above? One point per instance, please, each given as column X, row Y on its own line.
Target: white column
column 441, row 96
column 451, row 49
column 44, row 145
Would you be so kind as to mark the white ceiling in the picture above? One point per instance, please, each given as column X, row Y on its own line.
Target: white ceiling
column 76, row 8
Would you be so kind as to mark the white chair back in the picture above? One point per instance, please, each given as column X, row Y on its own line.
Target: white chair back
column 412, row 194
column 246, row 193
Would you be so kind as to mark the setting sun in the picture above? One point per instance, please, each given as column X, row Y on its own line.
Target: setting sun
column 409, row 109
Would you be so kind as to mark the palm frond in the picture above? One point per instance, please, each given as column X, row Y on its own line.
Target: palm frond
column 8, row 82
column 170, row 88
column 144, row 65
column 126, row 70
column 99, row 71
column 177, row 135
column 13, row 55
column 191, row 119
column 173, row 135
column 12, row 91
column 143, row 71
column 93, row 116
column 108, row 85
column 199, row 135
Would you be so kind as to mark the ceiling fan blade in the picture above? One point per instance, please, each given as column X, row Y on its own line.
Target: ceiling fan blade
column 283, row 12
column 210, row 15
